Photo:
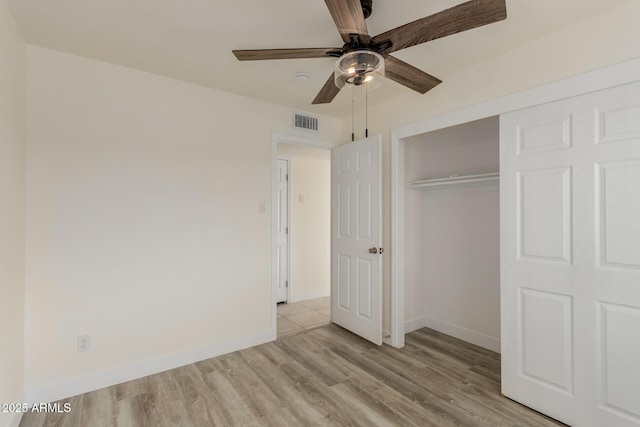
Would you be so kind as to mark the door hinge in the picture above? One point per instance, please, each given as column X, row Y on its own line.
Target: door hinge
column 286, row 230
column 286, row 177
column 286, row 283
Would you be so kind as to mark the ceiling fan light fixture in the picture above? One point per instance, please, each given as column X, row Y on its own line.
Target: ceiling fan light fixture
column 359, row 67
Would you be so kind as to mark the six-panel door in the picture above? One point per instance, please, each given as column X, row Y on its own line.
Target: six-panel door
column 570, row 255
column 356, row 284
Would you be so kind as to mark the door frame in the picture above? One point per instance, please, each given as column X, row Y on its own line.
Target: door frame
column 604, row 78
column 280, row 138
column 289, row 167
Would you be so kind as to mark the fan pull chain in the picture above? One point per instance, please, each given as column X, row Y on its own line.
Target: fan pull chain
column 353, row 120
column 366, row 111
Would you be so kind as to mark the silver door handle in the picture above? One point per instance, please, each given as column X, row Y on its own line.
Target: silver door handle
column 373, row 250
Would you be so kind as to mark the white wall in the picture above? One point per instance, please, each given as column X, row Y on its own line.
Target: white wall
column 452, row 275
column 310, row 177
column 13, row 126
column 143, row 222
column 600, row 41
column 463, row 264
column 468, row 149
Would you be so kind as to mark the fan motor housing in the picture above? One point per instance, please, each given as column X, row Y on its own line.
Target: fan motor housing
column 366, row 7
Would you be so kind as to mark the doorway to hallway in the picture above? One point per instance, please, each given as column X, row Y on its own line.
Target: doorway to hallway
column 303, row 315
column 303, row 237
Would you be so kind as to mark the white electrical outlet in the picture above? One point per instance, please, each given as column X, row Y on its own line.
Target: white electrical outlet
column 84, row 343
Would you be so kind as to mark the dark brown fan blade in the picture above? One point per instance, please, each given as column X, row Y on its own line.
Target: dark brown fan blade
column 260, row 54
column 328, row 92
column 349, row 18
column 409, row 76
column 472, row 14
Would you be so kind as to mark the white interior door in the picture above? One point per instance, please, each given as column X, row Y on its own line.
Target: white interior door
column 570, row 255
column 356, row 266
column 282, row 247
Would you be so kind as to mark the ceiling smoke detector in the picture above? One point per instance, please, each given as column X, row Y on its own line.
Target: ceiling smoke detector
column 301, row 77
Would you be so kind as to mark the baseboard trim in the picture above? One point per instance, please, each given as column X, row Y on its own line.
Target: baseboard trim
column 474, row 337
column 310, row 295
column 74, row 386
column 414, row 324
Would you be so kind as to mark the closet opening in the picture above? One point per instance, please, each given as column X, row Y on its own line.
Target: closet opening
column 451, row 233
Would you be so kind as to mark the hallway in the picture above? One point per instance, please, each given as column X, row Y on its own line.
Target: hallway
column 301, row 315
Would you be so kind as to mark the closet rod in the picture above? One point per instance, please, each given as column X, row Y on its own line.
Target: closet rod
column 455, row 179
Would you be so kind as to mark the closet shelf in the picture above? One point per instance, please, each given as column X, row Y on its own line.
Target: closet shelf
column 455, row 180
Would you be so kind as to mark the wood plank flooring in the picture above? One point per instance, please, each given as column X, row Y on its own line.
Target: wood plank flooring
column 322, row 377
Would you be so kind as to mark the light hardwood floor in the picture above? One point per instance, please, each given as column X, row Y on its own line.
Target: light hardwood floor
column 321, row 377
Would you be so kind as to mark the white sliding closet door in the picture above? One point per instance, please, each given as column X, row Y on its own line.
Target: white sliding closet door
column 570, row 256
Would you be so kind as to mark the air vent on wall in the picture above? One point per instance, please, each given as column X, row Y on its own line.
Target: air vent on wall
column 302, row 121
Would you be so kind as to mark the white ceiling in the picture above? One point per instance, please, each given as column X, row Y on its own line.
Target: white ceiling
column 191, row 40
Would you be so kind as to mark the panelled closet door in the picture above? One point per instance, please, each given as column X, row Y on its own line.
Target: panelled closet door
column 570, row 257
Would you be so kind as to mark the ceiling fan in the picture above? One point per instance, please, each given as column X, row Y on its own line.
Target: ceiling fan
column 362, row 56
